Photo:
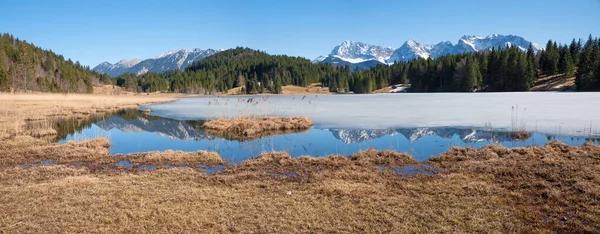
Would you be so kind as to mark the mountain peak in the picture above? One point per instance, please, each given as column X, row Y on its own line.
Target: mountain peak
column 358, row 52
column 411, row 41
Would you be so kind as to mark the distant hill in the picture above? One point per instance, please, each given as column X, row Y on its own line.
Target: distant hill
column 253, row 71
column 25, row 67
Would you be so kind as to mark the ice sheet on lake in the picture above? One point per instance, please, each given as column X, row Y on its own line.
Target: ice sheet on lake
column 575, row 114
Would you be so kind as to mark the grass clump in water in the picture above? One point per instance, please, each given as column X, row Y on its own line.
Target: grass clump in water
column 252, row 127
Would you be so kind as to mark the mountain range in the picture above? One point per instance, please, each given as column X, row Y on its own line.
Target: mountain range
column 171, row 60
column 185, row 130
column 355, row 54
column 352, row 136
column 363, row 55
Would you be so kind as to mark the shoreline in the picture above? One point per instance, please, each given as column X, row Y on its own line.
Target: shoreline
column 20, row 110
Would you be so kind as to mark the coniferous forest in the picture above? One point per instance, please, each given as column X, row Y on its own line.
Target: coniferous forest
column 26, row 67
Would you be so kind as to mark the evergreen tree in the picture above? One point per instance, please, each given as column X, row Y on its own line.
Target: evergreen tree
column 585, row 68
column 531, row 57
column 4, row 81
column 551, row 58
column 522, row 79
column 574, row 49
column 277, row 85
column 473, row 75
column 565, row 64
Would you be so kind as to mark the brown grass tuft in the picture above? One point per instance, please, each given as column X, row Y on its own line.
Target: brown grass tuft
column 27, row 150
column 252, row 127
column 383, row 158
column 520, row 135
column 45, row 132
column 174, row 158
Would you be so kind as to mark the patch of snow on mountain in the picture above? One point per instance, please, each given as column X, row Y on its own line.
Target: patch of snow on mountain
column 319, row 59
column 128, row 62
column 143, row 71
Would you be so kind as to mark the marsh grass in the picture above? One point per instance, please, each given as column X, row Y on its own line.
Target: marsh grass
column 518, row 124
column 242, row 128
column 492, row 189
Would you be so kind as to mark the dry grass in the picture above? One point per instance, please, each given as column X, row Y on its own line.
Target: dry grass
column 110, row 90
column 556, row 186
column 520, row 135
column 18, row 110
column 174, row 158
column 554, row 83
column 387, row 89
column 25, row 150
column 311, row 89
column 43, row 132
column 234, row 91
column 494, row 189
column 243, row 128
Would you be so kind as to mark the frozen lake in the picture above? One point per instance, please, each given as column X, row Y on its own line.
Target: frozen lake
column 574, row 114
column 422, row 125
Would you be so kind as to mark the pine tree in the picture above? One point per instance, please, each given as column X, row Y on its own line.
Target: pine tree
column 565, row 64
column 522, row 74
column 574, row 49
column 551, row 58
column 4, row 81
column 472, row 75
column 277, row 85
column 531, row 55
column 585, row 68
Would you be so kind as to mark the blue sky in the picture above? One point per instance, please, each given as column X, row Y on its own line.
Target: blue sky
column 96, row 31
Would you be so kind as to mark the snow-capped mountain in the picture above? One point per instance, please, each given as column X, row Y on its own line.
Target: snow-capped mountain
column 174, row 129
column 477, row 43
column 171, row 60
column 352, row 136
column 410, row 50
column 119, row 67
column 358, row 53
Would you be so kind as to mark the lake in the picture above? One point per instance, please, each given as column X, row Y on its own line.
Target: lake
column 422, row 125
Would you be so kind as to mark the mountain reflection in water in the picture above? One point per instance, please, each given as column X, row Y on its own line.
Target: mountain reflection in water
column 131, row 131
